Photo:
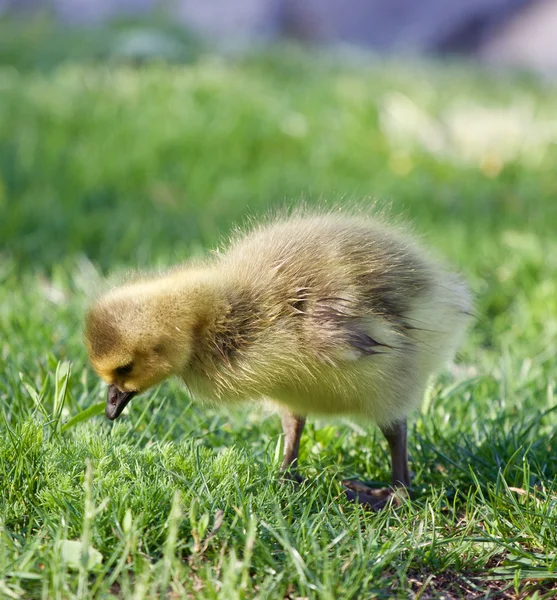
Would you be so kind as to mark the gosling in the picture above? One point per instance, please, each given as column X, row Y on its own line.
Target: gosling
column 321, row 314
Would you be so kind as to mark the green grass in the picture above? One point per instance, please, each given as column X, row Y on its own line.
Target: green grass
column 107, row 166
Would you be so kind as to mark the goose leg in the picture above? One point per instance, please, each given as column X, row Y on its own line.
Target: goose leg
column 292, row 425
column 377, row 498
column 397, row 438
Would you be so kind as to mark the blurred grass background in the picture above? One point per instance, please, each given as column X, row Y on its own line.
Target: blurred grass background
column 133, row 146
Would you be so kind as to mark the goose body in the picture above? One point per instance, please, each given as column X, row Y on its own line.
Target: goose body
column 325, row 314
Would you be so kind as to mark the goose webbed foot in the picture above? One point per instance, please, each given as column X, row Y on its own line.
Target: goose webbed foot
column 374, row 498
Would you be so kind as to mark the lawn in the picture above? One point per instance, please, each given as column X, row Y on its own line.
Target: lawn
column 108, row 164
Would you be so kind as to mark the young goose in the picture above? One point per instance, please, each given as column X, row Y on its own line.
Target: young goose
column 324, row 314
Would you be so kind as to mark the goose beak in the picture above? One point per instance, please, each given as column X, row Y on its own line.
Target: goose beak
column 116, row 401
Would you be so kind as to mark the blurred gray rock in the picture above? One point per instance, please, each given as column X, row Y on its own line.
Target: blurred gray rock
column 399, row 25
column 528, row 39
column 232, row 18
column 412, row 26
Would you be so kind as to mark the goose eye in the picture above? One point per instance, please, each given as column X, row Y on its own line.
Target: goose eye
column 124, row 369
